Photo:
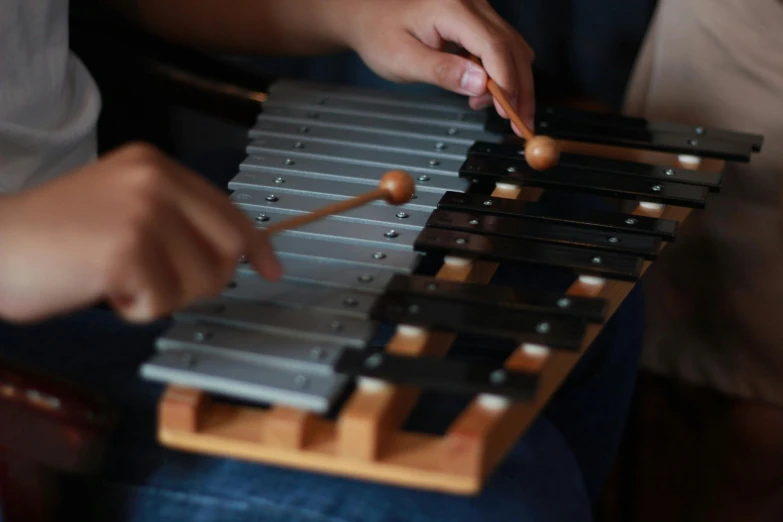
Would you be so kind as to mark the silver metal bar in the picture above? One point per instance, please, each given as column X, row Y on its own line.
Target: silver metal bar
column 335, row 274
column 307, row 118
column 251, row 346
column 461, row 119
column 442, row 100
column 357, row 155
column 294, row 204
column 317, row 248
column 336, row 136
column 294, row 184
column 377, row 236
column 225, row 376
column 297, row 323
column 335, row 168
column 351, row 303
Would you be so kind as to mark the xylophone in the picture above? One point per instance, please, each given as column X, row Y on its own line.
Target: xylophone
column 384, row 308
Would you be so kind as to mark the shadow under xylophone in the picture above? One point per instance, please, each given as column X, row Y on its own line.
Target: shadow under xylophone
column 325, row 370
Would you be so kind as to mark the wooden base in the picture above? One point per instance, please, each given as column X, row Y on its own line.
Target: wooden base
column 366, row 441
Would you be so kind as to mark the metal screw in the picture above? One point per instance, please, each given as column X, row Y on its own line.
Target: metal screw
column 374, row 360
column 200, row 336
column 298, row 145
column 289, row 161
column 432, row 286
column 693, row 143
column 262, row 218
column 350, row 302
column 424, row 177
column 497, row 377
column 391, row 234
column 473, row 222
column 365, row 278
column 379, row 255
column 452, row 131
column 564, row 302
column 657, row 188
column 597, row 260
column 279, row 180
column 700, row 130
column 272, row 198
column 402, row 215
column 434, row 163
column 614, row 239
column 630, row 221
column 669, row 172
column 488, row 202
column 317, row 353
column 461, row 240
column 542, row 328
column 544, row 124
column 336, row 326
column 304, row 129
column 511, row 169
column 301, row 381
column 440, row 145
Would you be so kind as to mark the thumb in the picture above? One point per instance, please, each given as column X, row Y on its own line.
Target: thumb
column 448, row 71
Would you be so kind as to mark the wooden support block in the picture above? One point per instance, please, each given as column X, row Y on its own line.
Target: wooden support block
column 287, row 427
column 182, row 408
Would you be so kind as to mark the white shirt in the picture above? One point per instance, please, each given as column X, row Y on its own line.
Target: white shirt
column 49, row 103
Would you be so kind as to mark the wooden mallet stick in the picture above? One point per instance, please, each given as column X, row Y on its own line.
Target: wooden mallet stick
column 396, row 187
column 541, row 152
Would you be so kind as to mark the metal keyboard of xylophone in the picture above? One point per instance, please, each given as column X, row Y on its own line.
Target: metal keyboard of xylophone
column 322, row 370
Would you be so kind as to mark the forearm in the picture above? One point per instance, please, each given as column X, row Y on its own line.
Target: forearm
column 271, row 27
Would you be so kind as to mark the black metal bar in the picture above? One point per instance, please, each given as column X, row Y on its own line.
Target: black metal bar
column 671, row 142
column 608, row 185
column 665, row 229
column 590, row 309
column 448, row 375
column 582, row 261
column 755, row 141
column 555, row 233
column 512, row 151
column 460, row 317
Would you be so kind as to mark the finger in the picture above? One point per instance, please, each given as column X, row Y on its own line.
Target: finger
column 222, row 224
column 492, row 44
column 263, row 258
column 481, row 102
column 526, row 102
column 197, row 262
column 419, row 63
column 144, row 287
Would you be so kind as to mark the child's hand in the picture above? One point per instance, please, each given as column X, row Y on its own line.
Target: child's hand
column 404, row 40
column 134, row 228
